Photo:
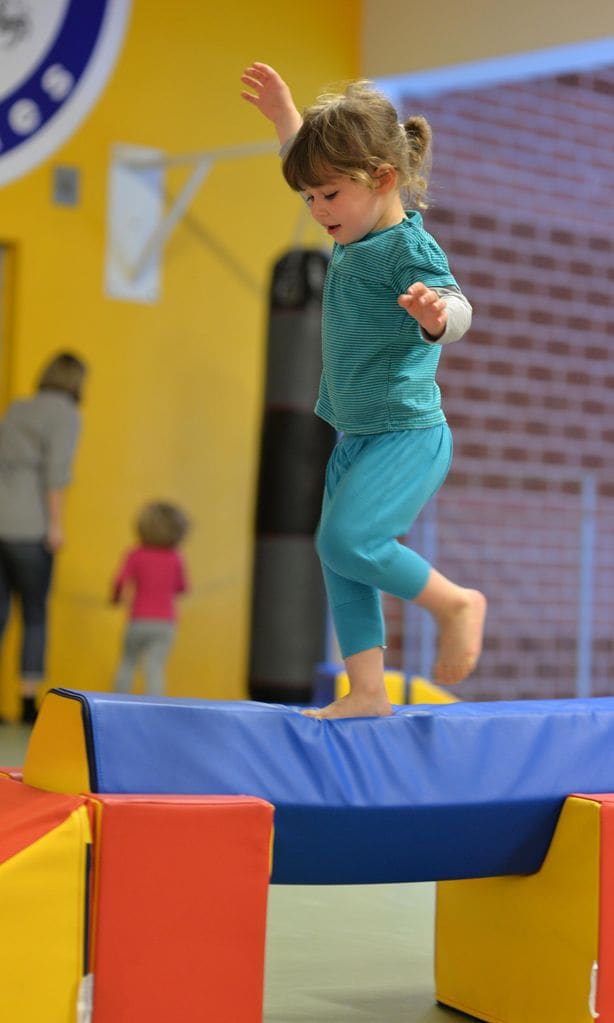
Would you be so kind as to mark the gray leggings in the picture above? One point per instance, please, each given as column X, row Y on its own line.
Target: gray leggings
column 150, row 640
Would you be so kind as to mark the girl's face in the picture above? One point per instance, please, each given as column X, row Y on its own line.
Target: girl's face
column 349, row 209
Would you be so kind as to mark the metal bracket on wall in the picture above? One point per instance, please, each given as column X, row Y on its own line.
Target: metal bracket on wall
column 138, row 224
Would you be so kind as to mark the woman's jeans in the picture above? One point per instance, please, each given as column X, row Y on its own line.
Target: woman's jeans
column 25, row 573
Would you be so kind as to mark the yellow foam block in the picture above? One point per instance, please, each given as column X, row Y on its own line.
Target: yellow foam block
column 56, row 758
column 394, row 681
column 42, row 939
column 423, row 691
column 521, row 949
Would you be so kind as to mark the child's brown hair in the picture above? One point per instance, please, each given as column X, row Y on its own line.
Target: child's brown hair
column 162, row 525
column 356, row 133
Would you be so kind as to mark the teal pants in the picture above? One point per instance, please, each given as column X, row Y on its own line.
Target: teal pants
column 375, row 487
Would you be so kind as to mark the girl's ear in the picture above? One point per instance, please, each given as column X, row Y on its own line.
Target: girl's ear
column 385, row 177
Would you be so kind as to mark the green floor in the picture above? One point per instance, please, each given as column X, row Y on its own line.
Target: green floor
column 13, row 742
column 363, row 953
column 336, row 954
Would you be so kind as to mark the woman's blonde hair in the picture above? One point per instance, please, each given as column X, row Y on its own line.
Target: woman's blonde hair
column 355, row 133
column 66, row 373
column 162, row 525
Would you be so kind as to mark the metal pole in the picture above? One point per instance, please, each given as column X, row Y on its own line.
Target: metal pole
column 135, row 157
column 584, row 640
column 164, row 229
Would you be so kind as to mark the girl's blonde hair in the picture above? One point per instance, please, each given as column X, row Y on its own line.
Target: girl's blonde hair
column 162, row 525
column 355, row 133
column 66, row 373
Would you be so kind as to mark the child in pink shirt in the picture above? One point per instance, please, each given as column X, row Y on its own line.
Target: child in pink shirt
column 150, row 578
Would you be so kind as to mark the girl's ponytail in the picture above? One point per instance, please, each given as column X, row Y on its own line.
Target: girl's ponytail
column 418, row 132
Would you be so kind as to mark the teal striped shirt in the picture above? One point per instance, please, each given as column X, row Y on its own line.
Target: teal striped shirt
column 378, row 370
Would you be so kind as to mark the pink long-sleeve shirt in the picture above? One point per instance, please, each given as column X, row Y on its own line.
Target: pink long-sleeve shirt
column 155, row 575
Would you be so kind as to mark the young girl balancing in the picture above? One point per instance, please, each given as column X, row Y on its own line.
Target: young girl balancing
column 390, row 303
column 151, row 576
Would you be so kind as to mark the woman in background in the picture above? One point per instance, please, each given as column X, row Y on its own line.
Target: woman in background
column 38, row 438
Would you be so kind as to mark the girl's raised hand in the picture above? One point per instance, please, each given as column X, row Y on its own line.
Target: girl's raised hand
column 273, row 99
column 426, row 307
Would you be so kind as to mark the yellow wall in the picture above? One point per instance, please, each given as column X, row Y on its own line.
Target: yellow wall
column 403, row 35
column 173, row 404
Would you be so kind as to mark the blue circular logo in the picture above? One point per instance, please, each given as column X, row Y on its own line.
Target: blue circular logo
column 55, row 58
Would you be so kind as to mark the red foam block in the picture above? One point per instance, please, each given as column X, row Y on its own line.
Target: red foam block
column 179, row 919
column 28, row 813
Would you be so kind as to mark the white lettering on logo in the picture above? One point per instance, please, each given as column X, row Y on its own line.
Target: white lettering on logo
column 57, row 82
column 24, row 117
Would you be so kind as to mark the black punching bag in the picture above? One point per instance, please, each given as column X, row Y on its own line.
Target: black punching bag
column 288, row 623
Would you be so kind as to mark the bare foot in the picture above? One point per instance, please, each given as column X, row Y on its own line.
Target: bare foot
column 354, row 705
column 460, row 639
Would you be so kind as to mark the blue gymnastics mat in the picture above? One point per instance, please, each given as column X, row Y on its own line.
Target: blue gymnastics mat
column 431, row 793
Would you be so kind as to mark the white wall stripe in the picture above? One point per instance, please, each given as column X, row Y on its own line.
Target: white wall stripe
column 511, row 68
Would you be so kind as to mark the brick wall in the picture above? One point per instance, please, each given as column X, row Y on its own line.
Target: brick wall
column 523, row 202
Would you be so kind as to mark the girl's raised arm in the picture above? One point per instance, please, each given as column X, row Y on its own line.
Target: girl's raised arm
column 273, row 99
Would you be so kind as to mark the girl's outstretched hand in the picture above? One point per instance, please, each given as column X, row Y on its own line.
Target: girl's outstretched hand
column 273, row 99
column 426, row 307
